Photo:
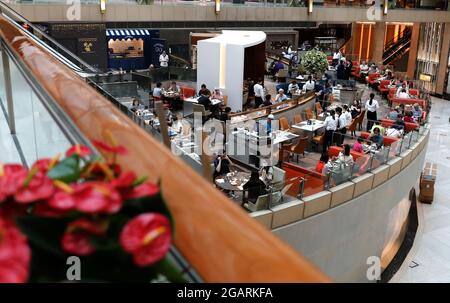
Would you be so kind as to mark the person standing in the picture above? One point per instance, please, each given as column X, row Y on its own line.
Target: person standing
column 259, row 93
column 163, row 59
column 337, row 55
column 371, row 107
column 341, row 127
column 330, row 128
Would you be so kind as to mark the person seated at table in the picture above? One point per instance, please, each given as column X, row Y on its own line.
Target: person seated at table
column 226, row 114
column 393, row 114
column 173, row 87
column 399, row 123
column 400, row 88
column 157, row 91
column 280, row 97
column 386, row 76
column 267, row 101
column 416, row 111
column 254, row 187
column 266, row 125
column 373, row 68
column 363, row 68
column 345, row 156
column 408, row 117
column 377, row 124
column 355, row 109
column 377, row 138
column 204, row 91
column 358, row 145
column 181, row 126
column 403, row 94
column 217, row 94
column 221, row 165
column 168, row 115
column 310, row 85
column 394, row 132
column 321, row 163
column 293, row 87
column 136, row 105
column 204, row 100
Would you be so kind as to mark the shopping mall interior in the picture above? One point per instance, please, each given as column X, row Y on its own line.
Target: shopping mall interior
column 294, row 139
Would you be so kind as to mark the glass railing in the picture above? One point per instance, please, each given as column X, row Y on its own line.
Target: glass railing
column 39, row 127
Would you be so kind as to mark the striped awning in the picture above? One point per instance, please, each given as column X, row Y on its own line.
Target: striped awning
column 127, row 32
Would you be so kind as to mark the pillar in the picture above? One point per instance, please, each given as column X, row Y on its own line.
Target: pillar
column 412, row 58
column 443, row 61
column 378, row 42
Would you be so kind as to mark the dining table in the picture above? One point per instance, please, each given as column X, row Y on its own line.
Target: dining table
column 232, row 181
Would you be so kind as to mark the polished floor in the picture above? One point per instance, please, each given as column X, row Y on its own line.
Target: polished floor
column 429, row 258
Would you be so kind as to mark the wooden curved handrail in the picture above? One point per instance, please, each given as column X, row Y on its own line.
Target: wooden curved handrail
column 216, row 237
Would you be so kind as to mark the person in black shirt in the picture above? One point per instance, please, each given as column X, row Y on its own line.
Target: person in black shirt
column 255, row 187
column 221, row 165
column 340, row 71
column 399, row 123
column 267, row 101
column 204, row 100
column 225, row 116
column 204, row 91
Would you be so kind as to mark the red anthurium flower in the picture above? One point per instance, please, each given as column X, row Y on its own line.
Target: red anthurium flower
column 76, row 239
column 78, row 149
column 42, row 209
column 15, row 254
column 144, row 190
column 147, row 237
column 125, row 180
column 97, row 197
column 45, row 165
column 115, row 149
column 36, row 186
column 11, row 178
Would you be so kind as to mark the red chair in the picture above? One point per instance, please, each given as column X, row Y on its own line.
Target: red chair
column 387, row 141
column 314, row 182
column 372, row 77
column 187, row 92
column 387, row 123
column 383, row 88
column 414, row 92
column 333, row 151
column 409, row 101
column 356, row 72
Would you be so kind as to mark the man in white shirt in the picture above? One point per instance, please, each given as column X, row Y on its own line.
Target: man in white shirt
column 259, row 93
column 348, row 116
column 341, row 128
column 337, row 55
column 164, row 59
column 292, row 87
column 400, row 88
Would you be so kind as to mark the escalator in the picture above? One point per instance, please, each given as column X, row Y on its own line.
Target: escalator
column 41, row 38
column 397, row 47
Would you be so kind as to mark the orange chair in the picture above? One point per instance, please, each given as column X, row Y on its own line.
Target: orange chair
column 284, row 124
column 319, row 108
column 297, row 119
column 298, row 148
column 318, row 140
column 372, row 77
column 309, row 113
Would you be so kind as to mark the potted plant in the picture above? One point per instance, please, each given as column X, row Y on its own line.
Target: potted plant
column 115, row 222
column 315, row 62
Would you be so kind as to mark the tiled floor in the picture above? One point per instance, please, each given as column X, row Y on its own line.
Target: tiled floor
column 431, row 248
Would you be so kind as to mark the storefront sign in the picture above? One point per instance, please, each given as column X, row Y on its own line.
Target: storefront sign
column 425, row 77
column 87, row 45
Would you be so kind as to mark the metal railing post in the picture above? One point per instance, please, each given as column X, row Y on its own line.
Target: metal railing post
column 8, row 91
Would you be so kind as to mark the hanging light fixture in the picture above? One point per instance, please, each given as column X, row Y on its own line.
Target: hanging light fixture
column 217, row 7
column 385, row 6
column 310, row 7
column 103, row 6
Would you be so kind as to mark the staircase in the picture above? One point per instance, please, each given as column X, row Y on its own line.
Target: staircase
column 397, row 47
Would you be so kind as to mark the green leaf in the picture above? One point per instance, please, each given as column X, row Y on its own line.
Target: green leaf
column 44, row 233
column 68, row 170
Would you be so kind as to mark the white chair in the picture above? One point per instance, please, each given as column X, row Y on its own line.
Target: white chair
column 279, row 177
